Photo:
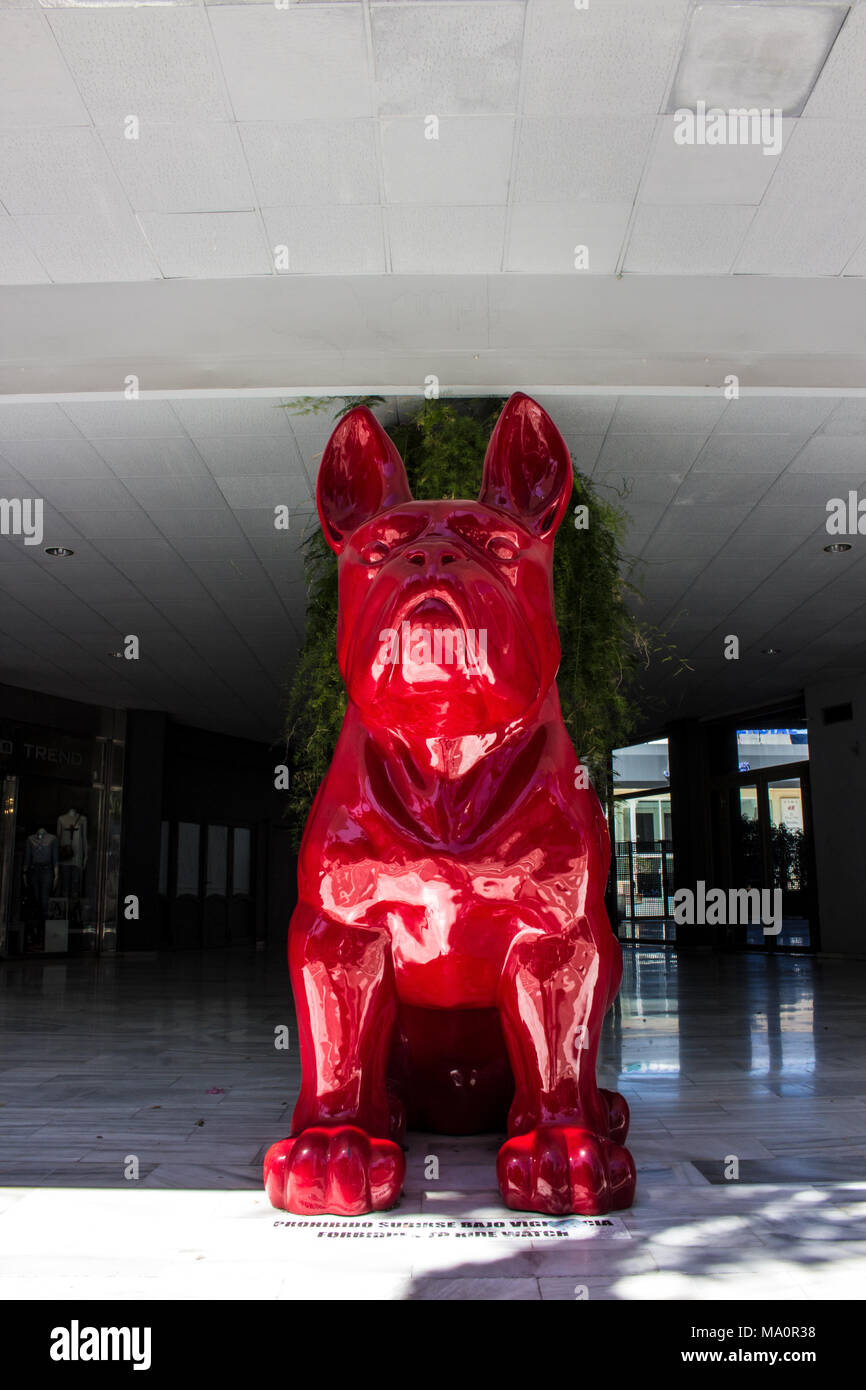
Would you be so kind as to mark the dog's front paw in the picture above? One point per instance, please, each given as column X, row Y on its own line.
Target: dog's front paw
column 561, row 1169
column 342, row 1171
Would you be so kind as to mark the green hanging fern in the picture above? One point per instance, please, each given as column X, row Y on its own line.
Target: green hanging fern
column 603, row 643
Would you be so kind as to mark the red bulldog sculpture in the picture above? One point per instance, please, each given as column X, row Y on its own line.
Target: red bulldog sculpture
column 450, row 955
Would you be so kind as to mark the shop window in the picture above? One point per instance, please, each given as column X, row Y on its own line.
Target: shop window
column 241, row 862
column 217, row 860
column 759, row 748
column 187, row 878
column 163, row 858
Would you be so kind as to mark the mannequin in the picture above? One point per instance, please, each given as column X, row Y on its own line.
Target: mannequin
column 72, row 835
column 41, row 859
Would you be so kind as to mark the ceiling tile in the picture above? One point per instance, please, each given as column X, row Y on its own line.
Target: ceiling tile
column 847, row 417
column 469, row 163
column 800, row 489
column 157, row 457
column 579, row 413
column 766, row 521
column 744, row 488
column 257, row 522
column 163, row 580
column 686, row 240
column 614, row 56
column 55, row 171
column 36, row 88
column 252, row 455
column 123, row 419
column 312, row 162
column 649, row 453
column 856, row 266
column 98, row 245
column 18, row 264
column 153, row 550
column 154, row 63
column 301, row 62
column 227, row 415
column 328, row 241
column 817, row 241
column 128, row 524
column 840, row 93
column 162, row 492
column 36, row 421
column 214, row 522
column 775, row 415
column 748, row 453
column 97, row 494
column 101, row 582
column 442, row 59
column 446, row 240
column 584, row 450
column 207, row 245
column 829, row 454
column 653, row 489
column 822, row 174
column 185, row 167
column 741, row 547
column 666, row 414
column 737, row 175
column 269, row 491
column 595, row 159
column 235, row 547
column 547, row 238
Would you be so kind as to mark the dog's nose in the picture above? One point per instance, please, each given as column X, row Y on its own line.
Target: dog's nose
column 420, row 557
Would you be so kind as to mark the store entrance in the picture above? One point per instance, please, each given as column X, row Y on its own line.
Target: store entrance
column 764, row 835
column 48, row 894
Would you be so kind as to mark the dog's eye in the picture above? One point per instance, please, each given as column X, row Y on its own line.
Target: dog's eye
column 502, row 548
column 374, row 553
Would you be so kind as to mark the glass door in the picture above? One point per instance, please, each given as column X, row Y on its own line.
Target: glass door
column 791, row 852
column 766, row 845
column 8, row 813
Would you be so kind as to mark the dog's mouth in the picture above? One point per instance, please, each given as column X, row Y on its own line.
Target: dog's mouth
column 435, row 610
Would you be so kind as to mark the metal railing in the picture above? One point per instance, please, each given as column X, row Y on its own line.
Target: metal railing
column 644, row 882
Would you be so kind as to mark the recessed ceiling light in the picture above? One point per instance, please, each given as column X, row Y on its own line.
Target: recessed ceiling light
column 771, row 651
column 60, row 550
column 755, row 55
column 837, row 548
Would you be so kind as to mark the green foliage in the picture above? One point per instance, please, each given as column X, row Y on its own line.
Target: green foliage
column 603, row 643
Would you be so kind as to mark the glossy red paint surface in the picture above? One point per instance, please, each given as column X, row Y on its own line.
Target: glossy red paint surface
column 451, row 957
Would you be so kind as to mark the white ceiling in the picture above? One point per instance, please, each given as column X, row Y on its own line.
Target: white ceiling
column 305, row 126
column 259, row 127
column 169, row 507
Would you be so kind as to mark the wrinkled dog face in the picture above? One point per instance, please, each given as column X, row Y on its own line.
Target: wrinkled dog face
column 446, row 607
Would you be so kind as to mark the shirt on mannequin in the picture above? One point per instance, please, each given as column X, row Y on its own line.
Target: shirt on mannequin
column 72, row 834
column 40, row 850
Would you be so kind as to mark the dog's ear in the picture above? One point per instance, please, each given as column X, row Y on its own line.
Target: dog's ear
column 361, row 474
column 527, row 468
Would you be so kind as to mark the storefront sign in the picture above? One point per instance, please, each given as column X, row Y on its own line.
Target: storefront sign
column 46, row 752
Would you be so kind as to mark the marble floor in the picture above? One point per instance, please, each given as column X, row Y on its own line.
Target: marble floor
column 139, row 1094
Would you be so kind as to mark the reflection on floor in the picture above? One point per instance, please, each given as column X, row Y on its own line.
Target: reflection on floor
column 745, row 1075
